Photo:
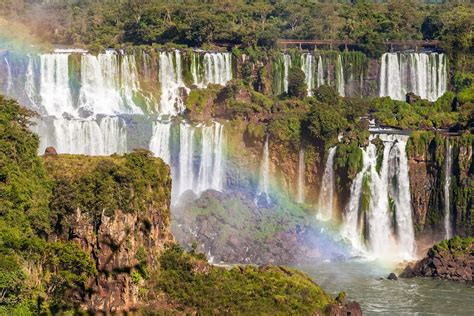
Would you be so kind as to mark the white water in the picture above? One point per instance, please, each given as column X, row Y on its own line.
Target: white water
column 320, row 72
column 307, row 66
column 172, row 85
column 211, row 68
column 421, row 73
column 186, row 159
column 447, row 186
column 160, row 140
column 210, row 174
column 286, row 70
column 108, row 84
column 54, row 90
column 301, row 171
column 378, row 218
column 9, row 76
column 200, row 165
column 340, row 82
column 264, row 181
column 102, row 137
column 326, row 195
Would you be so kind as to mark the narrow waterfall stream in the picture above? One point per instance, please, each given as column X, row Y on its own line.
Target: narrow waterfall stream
column 447, row 188
column 301, row 176
column 326, row 195
column 307, row 66
column 264, row 180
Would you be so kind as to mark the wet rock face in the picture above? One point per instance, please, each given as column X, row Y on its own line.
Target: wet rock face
column 453, row 260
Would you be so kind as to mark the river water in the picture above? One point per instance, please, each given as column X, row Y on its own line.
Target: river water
column 361, row 280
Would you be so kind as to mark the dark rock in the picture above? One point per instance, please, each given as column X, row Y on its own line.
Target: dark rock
column 351, row 308
column 392, row 276
column 449, row 260
column 50, row 151
column 412, row 98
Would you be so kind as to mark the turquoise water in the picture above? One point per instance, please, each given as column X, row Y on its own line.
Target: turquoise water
column 419, row 296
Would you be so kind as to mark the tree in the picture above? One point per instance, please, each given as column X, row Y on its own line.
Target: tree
column 296, row 83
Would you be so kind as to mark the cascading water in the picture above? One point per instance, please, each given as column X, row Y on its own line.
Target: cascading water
column 211, row 68
column 423, row 74
column 160, row 140
column 320, row 75
column 340, row 82
column 307, row 65
column 200, row 166
column 286, row 70
column 447, row 187
column 326, row 195
column 108, row 84
column 55, row 92
column 378, row 218
column 301, row 171
column 102, row 137
column 9, row 76
column 264, row 181
column 171, row 102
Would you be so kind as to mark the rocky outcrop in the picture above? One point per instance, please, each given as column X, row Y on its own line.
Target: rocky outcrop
column 230, row 228
column 117, row 214
column 449, row 260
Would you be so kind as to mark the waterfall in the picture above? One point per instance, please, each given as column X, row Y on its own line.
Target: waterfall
column 30, row 86
column 204, row 145
column 340, row 82
column 160, row 140
column 171, row 102
column 447, row 186
column 108, row 85
column 307, row 66
column 186, row 159
column 9, row 76
column 264, row 181
column 326, row 195
column 216, row 69
column 102, row 137
column 286, row 70
column 378, row 218
column 211, row 172
column 320, row 78
column 55, row 92
column 301, row 176
column 423, row 74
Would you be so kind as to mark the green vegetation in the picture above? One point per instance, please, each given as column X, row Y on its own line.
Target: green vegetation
column 456, row 246
column 191, row 282
column 25, row 224
column 249, row 23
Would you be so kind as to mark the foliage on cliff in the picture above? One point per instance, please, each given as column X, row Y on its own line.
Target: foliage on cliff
column 25, row 225
column 134, row 183
column 190, row 282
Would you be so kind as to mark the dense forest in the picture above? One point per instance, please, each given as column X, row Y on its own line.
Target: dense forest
column 112, row 23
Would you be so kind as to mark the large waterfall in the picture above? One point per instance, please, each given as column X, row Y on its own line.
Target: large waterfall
column 104, row 104
column 326, row 195
column 447, row 188
column 378, row 218
column 423, row 74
